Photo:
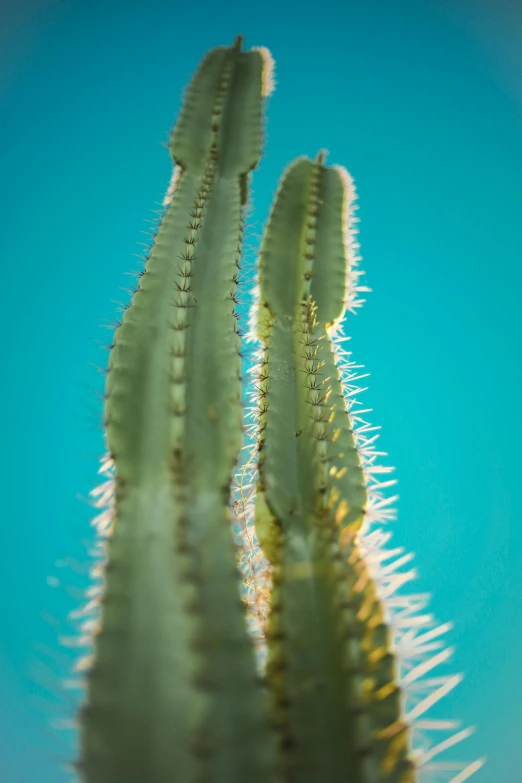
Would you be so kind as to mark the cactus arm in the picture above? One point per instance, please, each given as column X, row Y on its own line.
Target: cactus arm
column 307, row 663
column 172, row 693
column 330, row 668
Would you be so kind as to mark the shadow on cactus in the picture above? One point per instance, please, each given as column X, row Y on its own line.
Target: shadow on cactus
column 247, row 621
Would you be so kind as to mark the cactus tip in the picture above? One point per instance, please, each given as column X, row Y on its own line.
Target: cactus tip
column 321, row 157
column 238, row 42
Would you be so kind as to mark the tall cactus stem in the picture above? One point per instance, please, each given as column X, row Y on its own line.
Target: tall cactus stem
column 173, row 688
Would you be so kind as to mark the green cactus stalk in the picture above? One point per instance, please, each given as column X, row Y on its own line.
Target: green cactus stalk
column 330, row 667
column 172, row 693
column 349, row 654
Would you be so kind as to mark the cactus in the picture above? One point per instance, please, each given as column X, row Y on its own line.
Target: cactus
column 330, row 667
column 172, row 689
column 345, row 649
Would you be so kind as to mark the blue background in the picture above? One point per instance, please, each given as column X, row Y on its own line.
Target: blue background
column 422, row 102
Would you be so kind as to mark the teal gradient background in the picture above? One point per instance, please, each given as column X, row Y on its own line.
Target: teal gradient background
column 423, row 105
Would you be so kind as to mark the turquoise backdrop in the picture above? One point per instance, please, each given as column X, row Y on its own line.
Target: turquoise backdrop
column 422, row 102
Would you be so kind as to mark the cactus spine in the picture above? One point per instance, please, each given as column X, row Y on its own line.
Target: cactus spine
column 173, row 692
